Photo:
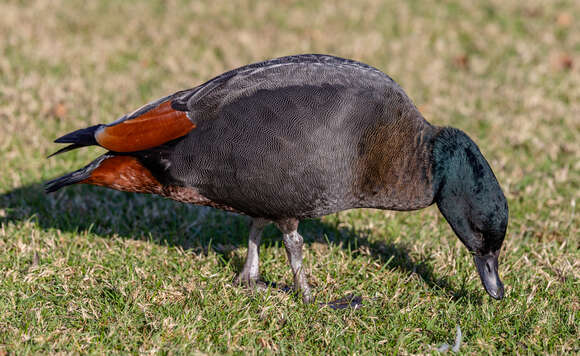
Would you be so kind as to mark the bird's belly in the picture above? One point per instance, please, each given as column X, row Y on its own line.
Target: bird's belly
column 275, row 193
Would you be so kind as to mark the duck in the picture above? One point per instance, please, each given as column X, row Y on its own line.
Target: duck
column 294, row 138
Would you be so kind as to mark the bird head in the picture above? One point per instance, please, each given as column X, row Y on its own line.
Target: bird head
column 471, row 200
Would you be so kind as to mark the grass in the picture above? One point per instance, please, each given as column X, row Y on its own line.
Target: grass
column 91, row 270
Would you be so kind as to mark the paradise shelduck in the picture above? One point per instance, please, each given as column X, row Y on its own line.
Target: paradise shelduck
column 294, row 138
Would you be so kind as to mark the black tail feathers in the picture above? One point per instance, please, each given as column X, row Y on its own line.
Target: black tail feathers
column 74, row 177
column 66, row 149
column 78, row 138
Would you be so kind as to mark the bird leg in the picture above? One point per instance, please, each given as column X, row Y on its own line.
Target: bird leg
column 293, row 243
column 250, row 274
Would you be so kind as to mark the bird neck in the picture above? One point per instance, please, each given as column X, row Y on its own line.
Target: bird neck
column 396, row 169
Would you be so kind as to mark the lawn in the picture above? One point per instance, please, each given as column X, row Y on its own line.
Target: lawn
column 90, row 270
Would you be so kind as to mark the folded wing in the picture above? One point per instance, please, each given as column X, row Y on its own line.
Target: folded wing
column 149, row 126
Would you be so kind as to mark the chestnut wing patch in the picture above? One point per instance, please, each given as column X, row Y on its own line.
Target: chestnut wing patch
column 148, row 129
column 124, row 173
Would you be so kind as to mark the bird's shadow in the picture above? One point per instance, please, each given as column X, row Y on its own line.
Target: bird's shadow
column 113, row 214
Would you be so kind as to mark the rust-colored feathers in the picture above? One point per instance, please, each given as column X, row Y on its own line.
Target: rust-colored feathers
column 124, row 173
column 155, row 127
column 148, row 127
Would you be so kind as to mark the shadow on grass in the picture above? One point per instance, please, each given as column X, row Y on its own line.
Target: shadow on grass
column 112, row 214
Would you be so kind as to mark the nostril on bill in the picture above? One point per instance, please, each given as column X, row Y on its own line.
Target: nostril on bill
column 487, row 268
